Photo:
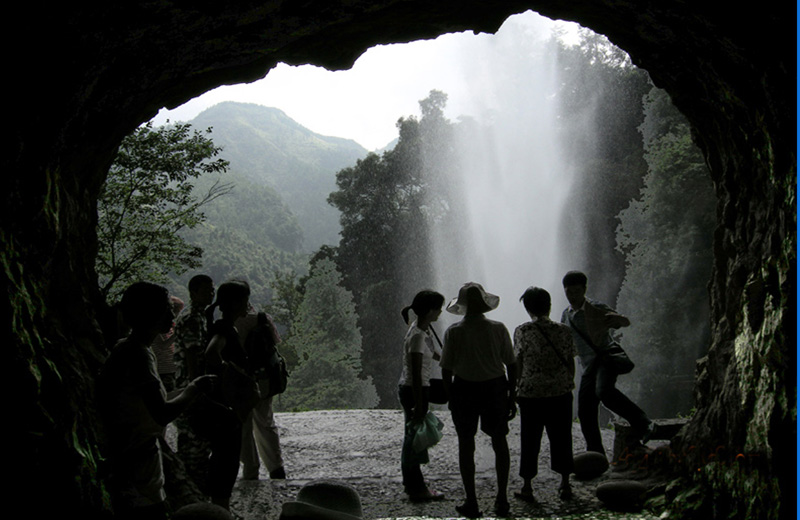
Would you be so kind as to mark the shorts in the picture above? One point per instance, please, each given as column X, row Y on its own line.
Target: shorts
column 484, row 401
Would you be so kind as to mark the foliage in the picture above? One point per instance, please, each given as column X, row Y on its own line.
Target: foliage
column 327, row 340
column 666, row 236
column 147, row 199
column 601, row 111
column 388, row 204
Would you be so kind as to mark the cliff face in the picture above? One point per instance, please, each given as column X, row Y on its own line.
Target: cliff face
column 112, row 67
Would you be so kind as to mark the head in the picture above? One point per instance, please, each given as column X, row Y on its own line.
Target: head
column 324, row 500
column 201, row 290
column 233, row 299
column 574, row 283
column 536, row 301
column 426, row 304
column 473, row 299
column 146, row 306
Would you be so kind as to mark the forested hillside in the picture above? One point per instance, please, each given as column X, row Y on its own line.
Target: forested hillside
column 268, row 148
column 276, row 213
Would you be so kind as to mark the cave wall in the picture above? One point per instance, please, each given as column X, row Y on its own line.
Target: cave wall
column 82, row 77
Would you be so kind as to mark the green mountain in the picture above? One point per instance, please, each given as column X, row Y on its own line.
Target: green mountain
column 267, row 148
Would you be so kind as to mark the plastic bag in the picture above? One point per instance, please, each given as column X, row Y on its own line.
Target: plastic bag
column 427, row 432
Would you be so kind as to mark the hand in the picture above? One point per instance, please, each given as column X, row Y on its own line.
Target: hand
column 420, row 412
column 512, row 407
column 612, row 320
column 206, row 383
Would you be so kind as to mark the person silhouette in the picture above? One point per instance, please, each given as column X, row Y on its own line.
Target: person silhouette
column 134, row 407
column 591, row 322
column 479, row 374
column 414, row 387
column 546, row 377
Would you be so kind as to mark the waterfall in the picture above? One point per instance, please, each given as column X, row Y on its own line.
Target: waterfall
column 513, row 178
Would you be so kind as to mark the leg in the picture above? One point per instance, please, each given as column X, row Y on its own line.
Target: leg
column 194, row 451
column 249, row 455
column 466, row 465
column 226, row 445
column 559, row 432
column 531, row 429
column 502, row 466
column 413, row 481
column 587, row 409
column 618, row 402
column 267, row 440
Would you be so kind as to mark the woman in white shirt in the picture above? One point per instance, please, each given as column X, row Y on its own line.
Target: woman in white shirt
column 418, row 359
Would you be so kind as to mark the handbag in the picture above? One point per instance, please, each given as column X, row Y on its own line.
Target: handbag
column 437, row 394
column 613, row 356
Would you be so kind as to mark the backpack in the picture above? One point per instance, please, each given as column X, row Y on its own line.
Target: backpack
column 266, row 363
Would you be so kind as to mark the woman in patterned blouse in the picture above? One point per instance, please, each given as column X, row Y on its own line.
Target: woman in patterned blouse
column 545, row 374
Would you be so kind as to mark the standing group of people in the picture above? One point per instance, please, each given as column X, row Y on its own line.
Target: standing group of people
column 485, row 377
column 220, row 417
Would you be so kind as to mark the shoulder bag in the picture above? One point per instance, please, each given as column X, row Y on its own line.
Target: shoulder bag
column 613, row 356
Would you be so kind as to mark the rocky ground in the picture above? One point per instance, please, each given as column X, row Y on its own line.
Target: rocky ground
column 362, row 448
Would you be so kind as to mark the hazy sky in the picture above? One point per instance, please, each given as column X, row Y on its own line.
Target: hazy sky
column 386, row 83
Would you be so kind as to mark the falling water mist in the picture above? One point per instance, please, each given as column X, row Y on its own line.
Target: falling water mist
column 513, row 181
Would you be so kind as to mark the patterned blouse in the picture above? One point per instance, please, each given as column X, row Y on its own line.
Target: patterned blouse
column 544, row 374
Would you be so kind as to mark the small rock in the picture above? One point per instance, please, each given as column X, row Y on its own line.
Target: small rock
column 622, row 495
column 589, row 465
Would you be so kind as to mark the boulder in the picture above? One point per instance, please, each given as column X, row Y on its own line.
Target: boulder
column 622, row 495
column 589, row 465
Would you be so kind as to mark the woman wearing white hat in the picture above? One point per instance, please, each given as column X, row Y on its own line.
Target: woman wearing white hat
column 478, row 369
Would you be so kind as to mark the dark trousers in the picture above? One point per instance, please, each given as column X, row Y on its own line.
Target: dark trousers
column 413, row 480
column 598, row 385
column 555, row 415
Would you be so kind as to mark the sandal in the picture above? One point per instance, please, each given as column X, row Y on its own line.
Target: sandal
column 502, row 508
column 525, row 496
column 469, row 510
column 425, row 496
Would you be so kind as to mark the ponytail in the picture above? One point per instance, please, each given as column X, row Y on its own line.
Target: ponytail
column 404, row 312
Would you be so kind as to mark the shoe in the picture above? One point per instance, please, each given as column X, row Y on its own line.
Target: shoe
column 427, row 495
column 502, row 508
column 277, row 474
column 525, row 496
column 469, row 510
column 649, row 432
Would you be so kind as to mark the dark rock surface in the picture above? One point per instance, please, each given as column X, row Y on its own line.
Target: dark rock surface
column 111, row 66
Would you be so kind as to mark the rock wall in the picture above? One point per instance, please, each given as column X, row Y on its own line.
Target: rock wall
column 83, row 77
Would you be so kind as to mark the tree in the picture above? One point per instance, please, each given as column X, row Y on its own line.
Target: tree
column 327, row 340
column 389, row 204
column 666, row 237
column 147, row 199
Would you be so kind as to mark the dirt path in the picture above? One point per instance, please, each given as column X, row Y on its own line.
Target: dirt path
column 363, row 449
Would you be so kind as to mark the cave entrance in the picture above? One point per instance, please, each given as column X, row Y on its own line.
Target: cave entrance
column 563, row 169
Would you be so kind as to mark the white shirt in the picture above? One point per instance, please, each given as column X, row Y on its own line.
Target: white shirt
column 417, row 341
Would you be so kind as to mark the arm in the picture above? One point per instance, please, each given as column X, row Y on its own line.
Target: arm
column 614, row 320
column 165, row 411
column 447, row 381
column 214, row 353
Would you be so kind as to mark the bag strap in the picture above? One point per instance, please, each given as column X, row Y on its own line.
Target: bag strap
column 550, row 342
column 588, row 341
column 435, row 335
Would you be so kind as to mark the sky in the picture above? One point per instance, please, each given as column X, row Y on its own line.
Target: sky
column 386, row 83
